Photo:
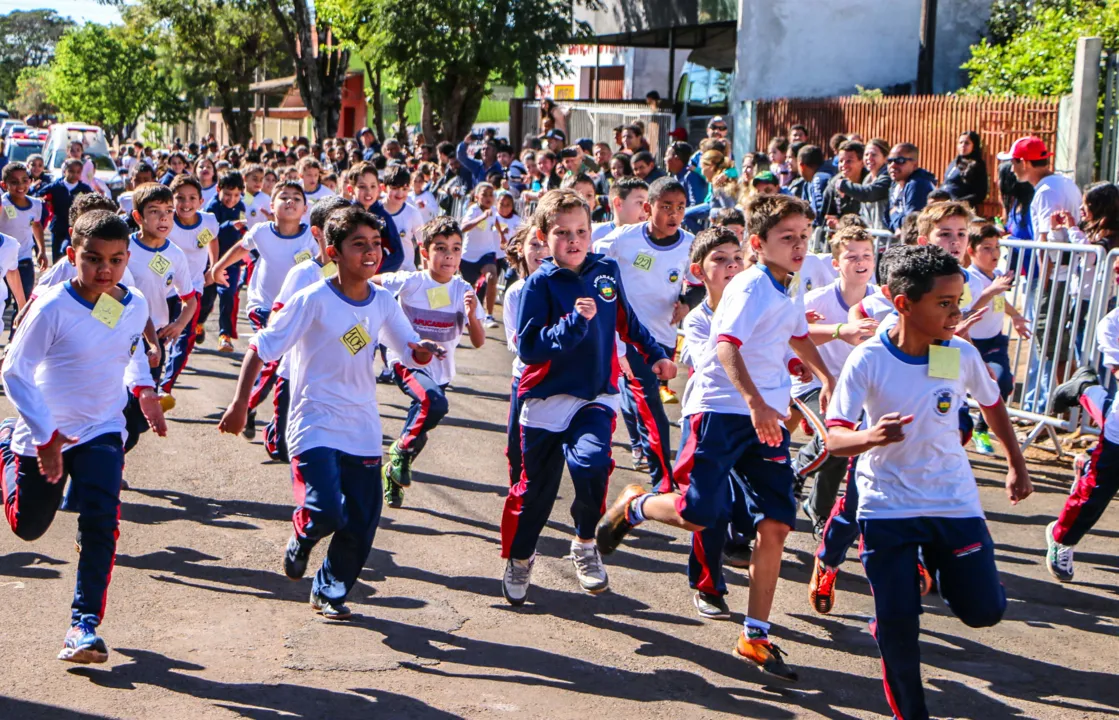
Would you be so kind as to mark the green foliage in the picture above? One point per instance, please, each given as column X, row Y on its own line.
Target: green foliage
column 27, row 39
column 1038, row 59
column 870, row 94
column 108, row 76
column 31, row 92
column 1009, row 17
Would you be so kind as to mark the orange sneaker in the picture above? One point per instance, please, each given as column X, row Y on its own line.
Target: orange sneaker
column 614, row 525
column 924, row 580
column 821, row 588
column 766, row 656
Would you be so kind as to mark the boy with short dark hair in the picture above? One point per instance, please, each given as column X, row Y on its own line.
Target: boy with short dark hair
column 21, row 217
column 738, row 397
column 916, row 487
column 405, row 217
column 57, row 197
column 440, row 305
column 363, row 183
column 70, row 424
column 628, row 196
column 334, row 432
column 229, row 210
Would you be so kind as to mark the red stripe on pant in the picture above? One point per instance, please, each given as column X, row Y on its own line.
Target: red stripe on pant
column 656, row 445
column 264, row 384
column 606, row 491
column 169, row 383
column 236, row 311
column 1071, row 511
column 11, row 510
column 413, row 431
column 682, row 474
column 112, row 564
column 300, row 517
column 706, row 581
column 511, row 512
column 885, row 681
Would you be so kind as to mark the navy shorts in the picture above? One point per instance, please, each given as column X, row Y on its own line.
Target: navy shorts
column 721, row 445
column 472, row 271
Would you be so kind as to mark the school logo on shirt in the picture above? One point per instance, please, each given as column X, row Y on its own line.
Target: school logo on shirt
column 135, row 344
column 674, row 276
column 170, row 279
column 943, row 401
column 606, row 287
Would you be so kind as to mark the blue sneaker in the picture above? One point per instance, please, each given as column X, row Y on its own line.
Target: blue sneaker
column 83, row 645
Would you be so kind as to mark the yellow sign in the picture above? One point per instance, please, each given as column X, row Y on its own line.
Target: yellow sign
column 965, row 299
column 301, row 256
column 159, row 264
column 998, row 305
column 944, row 362
column 10, row 212
column 329, row 270
column 438, row 297
column 643, row 261
column 108, row 310
column 355, row 339
column 205, row 238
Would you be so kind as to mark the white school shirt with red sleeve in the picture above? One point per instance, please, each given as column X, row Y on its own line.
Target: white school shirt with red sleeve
column 16, row 221
column 333, row 340
column 652, row 275
column 278, row 255
column 408, row 222
column 194, row 240
column 421, row 300
column 302, row 276
column 927, row 474
column 159, row 273
column 67, row 371
column 828, row 302
column 758, row 315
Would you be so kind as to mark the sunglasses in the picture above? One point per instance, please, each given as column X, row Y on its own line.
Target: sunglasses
column 898, row 160
column 720, row 128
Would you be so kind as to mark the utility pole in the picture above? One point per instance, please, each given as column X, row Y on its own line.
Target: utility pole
column 926, row 57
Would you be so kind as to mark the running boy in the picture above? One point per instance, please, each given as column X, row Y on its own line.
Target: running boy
column 653, row 258
column 916, row 487
column 364, row 185
column 21, row 217
column 735, row 408
column 482, row 243
column 258, row 204
column 334, row 432
column 229, row 209
column 571, row 312
column 405, row 217
column 439, row 304
column 310, row 172
column 87, row 332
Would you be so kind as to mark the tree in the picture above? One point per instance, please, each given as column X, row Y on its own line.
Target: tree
column 452, row 50
column 320, row 62
column 107, row 76
column 1039, row 57
column 27, row 39
column 31, row 92
column 215, row 46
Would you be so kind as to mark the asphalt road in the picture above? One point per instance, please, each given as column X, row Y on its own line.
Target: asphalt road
column 202, row 624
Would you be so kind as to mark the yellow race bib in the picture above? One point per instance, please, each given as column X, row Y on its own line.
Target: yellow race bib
column 107, row 310
column 355, row 339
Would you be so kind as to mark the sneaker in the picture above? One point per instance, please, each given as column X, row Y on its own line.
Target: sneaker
column 737, row 555
column 1059, row 557
column 295, row 557
column 982, row 442
column 328, row 609
column 710, row 606
column 640, row 462
column 615, row 524
column 817, row 521
column 83, row 645
column 249, row 433
column 490, row 322
column 1067, row 395
column 167, row 401
column 225, row 345
column 398, row 469
column 394, row 494
column 924, row 579
column 765, row 655
column 821, row 588
column 588, row 568
column 199, row 334
column 1079, row 470
column 668, row 397
column 386, row 377
column 515, row 581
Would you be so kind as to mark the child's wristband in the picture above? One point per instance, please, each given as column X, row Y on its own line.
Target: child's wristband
column 835, row 333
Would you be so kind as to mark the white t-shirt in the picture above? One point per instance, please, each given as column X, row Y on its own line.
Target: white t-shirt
column 278, row 255
column 508, row 226
column 159, row 273
column 437, row 312
column 322, row 191
column 510, row 315
column 9, row 260
column 332, row 341
column 991, row 324
column 816, row 272
column 426, row 203
column 756, row 314
column 408, row 222
column 1053, row 194
column 125, row 203
column 1107, row 339
column 653, row 276
column 601, row 230
column 303, row 275
column 927, row 474
column 17, row 221
column 258, row 210
column 697, row 331
column 67, row 371
column 827, row 301
column 483, row 238
column 194, row 241
column 209, row 194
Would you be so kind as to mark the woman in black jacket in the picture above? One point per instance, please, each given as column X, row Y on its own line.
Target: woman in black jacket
column 966, row 177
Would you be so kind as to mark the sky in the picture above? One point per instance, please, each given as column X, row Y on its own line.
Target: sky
column 78, row 10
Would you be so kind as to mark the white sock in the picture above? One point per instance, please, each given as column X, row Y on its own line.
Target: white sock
column 579, row 543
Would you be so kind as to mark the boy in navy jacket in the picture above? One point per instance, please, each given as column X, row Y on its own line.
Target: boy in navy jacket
column 58, row 196
column 572, row 311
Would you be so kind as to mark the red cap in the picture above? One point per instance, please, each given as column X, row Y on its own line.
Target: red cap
column 679, row 134
column 1027, row 148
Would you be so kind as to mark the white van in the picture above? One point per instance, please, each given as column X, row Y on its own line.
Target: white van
column 94, row 145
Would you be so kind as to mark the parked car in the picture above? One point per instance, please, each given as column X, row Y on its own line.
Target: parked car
column 94, row 146
column 19, row 149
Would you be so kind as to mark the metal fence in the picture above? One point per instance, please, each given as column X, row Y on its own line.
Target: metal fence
column 597, row 121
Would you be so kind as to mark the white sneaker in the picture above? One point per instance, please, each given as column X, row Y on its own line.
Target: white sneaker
column 1058, row 558
column 515, row 581
column 588, row 567
column 490, row 321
